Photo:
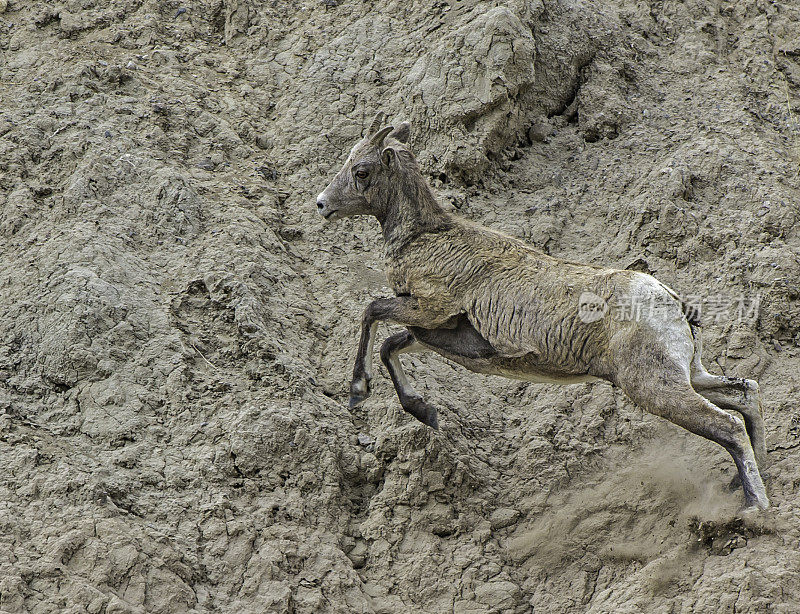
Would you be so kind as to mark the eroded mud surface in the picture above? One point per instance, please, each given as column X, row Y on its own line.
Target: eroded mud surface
column 178, row 326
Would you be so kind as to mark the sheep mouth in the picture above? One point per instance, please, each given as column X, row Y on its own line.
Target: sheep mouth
column 328, row 215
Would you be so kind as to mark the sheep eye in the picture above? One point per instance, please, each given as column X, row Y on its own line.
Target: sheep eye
column 362, row 173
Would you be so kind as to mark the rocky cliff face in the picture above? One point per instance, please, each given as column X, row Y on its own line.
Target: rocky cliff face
column 178, row 326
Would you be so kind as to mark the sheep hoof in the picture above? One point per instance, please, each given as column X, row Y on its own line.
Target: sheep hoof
column 359, row 391
column 762, row 502
column 427, row 414
column 356, row 400
column 754, row 506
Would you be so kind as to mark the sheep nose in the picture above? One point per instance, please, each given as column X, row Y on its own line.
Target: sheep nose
column 320, row 203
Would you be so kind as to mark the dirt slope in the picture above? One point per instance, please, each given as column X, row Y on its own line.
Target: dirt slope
column 178, row 326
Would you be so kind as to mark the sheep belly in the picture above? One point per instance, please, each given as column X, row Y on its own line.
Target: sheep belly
column 544, row 378
column 526, row 368
column 464, row 345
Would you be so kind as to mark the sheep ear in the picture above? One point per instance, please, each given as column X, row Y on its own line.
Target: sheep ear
column 377, row 138
column 376, row 123
column 402, row 132
column 389, row 156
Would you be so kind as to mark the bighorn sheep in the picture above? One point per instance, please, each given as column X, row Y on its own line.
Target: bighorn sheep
column 497, row 305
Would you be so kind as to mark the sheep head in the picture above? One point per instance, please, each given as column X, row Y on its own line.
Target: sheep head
column 362, row 186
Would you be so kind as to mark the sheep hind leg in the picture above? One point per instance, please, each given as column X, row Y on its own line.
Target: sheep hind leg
column 414, row 404
column 679, row 403
column 734, row 393
column 740, row 395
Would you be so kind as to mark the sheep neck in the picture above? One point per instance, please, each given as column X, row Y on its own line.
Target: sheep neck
column 411, row 210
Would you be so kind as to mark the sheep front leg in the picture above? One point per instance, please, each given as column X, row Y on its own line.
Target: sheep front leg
column 404, row 310
column 414, row 404
column 362, row 371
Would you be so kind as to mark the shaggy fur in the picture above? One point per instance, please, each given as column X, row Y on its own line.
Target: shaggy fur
column 497, row 305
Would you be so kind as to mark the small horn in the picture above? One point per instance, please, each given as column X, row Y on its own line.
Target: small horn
column 376, row 123
column 402, row 133
column 377, row 139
